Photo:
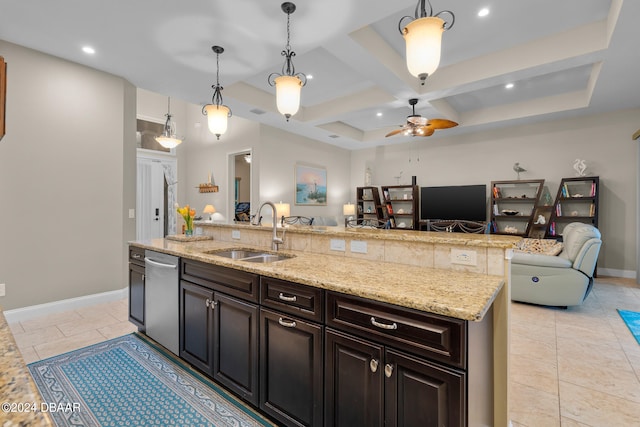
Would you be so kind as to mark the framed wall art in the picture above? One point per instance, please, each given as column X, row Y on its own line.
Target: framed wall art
column 311, row 185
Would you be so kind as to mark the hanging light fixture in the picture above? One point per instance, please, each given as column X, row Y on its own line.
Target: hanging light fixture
column 217, row 114
column 168, row 139
column 423, row 38
column 288, row 83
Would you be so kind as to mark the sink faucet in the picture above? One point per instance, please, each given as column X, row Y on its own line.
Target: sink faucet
column 275, row 240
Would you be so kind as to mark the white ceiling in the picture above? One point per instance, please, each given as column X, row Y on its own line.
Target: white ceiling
column 565, row 58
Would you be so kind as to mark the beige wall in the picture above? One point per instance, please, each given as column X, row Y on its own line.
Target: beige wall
column 67, row 169
column 547, row 150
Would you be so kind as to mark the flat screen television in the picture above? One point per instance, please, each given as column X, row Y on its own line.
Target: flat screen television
column 464, row 202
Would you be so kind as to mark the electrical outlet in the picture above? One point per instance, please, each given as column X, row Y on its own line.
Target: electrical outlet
column 464, row 257
column 132, row 213
column 359, row 246
column 337, row 245
column 235, row 234
column 2, row 290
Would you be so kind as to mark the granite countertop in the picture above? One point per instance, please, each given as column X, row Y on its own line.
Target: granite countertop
column 461, row 295
column 460, row 239
column 17, row 388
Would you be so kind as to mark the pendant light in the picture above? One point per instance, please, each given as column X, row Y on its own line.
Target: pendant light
column 423, row 38
column 168, row 139
column 288, row 83
column 217, row 113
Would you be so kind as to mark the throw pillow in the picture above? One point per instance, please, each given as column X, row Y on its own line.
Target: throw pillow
column 539, row 246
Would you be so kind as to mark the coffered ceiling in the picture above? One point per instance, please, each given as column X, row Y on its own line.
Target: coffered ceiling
column 563, row 58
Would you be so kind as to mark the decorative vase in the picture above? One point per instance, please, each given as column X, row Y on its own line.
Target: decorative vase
column 188, row 232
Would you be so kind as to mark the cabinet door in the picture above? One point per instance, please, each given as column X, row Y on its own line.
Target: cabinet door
column 235, row 346
column 196, row 325
column 291, row 365
column 136, row 296
column 353, row 381
column 422, row 394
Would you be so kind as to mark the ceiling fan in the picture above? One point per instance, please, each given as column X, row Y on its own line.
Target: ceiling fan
column 421, row 126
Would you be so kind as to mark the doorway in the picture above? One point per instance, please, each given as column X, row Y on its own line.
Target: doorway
column 240, row 188
column 156, row 195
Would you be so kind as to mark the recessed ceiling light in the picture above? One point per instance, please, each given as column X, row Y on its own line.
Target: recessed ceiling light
column 309, row 76
column 483, row 12
column 379, row 114
column 509, row 86
column 88, row 50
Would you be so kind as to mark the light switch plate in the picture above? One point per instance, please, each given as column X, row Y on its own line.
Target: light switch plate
column 235, row 234
column 359, row 246
column 464, row 257
column 132, row 213
column 337, row 245
column 2, row 290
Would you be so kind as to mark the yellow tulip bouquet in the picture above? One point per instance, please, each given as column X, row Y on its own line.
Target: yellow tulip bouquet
column 187, row 214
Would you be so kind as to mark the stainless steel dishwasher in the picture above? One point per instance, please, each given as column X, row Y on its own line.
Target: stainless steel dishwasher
column 161, row 298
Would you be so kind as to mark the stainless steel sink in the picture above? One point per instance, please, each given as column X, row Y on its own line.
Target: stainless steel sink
column 249, row 255
column 264, row 258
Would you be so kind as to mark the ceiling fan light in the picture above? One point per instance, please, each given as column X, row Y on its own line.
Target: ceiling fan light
column 217, row 117
column 288, row 90
column 423, row 38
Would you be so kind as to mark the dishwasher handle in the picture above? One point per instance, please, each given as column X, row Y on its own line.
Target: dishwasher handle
column 159, row 264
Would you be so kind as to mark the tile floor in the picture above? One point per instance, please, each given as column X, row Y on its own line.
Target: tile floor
column 578, row 367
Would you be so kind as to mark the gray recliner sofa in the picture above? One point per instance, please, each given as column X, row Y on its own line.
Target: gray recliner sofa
column 562, row 280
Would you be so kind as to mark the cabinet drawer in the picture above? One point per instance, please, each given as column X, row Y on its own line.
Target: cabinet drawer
column 433, row 336
column 136, row 255
column 228, row 280
column 292, row 298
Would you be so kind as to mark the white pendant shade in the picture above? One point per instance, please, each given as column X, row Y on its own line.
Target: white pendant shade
column 423, row 38
column 217, row 116
column 288, row 90
column 168, row 141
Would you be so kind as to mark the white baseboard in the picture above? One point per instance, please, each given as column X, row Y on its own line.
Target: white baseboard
column 614, row 272
column 33, row 311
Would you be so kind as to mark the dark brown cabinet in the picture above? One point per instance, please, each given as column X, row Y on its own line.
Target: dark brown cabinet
column 196, row 325
column 369, row 381
column 353, row 382
column 291, row 352
column 420, row 393
column 235, row 345
column 219, row 332
column 136, row 287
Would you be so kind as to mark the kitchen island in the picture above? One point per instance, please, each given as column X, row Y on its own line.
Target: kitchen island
column 21, row 402
column 409, row 270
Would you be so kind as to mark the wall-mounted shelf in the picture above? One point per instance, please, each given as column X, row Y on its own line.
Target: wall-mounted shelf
column 401, row 203
column 513, row 206
column 368, row 204
column 577, row 201
column 207, row 188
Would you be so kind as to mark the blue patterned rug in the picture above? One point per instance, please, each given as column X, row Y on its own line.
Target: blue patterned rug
column 128, row 381
column 632, row 320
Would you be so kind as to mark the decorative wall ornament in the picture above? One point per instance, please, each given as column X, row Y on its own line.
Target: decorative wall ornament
column 580, row 167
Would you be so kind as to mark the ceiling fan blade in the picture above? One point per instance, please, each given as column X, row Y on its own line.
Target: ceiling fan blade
column 424, row 131
column 441, row 123
column 394, row 132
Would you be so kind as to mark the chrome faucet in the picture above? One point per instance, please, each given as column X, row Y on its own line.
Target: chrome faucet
column 275, row 240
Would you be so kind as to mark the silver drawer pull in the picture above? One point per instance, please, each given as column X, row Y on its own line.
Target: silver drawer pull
column 377, row 324
column 286, row 324
column 207, row 302
column 283, row 297
column 373, row 364
column 136, row 256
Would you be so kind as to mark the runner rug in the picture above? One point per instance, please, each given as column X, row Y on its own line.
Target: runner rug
column 632, row 320
column 129, row 381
